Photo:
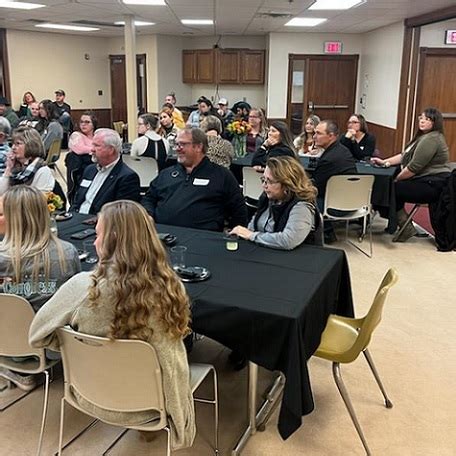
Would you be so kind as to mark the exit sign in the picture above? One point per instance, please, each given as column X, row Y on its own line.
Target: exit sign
column 450, row 37
column 333, row 47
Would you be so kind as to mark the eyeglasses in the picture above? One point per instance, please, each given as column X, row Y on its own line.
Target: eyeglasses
column 254, row 117
column 140, row 124
column 180, row 145
column 353, row 121
column 266, row 181
column 421, row 117
column 85, row 121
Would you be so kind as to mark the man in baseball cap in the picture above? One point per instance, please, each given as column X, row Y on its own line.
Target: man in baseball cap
column 64, row 110
column 226, row 115
column 8, row 113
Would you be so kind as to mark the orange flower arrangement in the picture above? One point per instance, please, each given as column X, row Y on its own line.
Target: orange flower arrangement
column 54, row 202
column 239, row 127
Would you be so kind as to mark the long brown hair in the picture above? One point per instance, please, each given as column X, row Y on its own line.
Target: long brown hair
column 142, row 284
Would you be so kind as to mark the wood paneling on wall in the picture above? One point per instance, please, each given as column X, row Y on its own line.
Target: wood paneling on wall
column 385, row 137
column 103, row 116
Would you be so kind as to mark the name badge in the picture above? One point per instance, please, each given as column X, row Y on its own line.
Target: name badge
column 202, row 182
column 85, row 183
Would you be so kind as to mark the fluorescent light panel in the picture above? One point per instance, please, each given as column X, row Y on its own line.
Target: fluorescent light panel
column 77, row 28
column 137, row 23
column 197, row 21
column 335, row 4
column 145, row 2
column 20, row 5
column 305, row 22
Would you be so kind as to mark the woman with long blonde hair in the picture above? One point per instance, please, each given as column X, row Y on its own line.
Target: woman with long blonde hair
column 132, row 294
column 286, row 209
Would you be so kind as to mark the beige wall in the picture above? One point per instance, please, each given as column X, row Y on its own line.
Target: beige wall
column 379, row 75
column 42, row 62
column 433, row 35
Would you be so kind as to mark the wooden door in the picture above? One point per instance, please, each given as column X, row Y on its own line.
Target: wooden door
column 119, row 86
column 228, row 63
column 252, row 67
column 322, row 85
column 189, row 67
column 437, row 88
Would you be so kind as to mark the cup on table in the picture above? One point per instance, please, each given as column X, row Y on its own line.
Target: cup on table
column 231, row 241
column 178, row 254
column 89, row 248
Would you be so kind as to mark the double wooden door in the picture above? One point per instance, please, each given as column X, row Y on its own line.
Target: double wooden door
column 437, row 88
column 322, row 85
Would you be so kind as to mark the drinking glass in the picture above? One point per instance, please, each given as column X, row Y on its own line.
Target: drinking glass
column 178, row 256
column 89, row 248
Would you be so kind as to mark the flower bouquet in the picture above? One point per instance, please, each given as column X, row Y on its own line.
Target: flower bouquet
column 239, row 129
column 54, row 202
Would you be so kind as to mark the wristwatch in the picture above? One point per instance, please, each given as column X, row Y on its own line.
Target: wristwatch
column 387, row 164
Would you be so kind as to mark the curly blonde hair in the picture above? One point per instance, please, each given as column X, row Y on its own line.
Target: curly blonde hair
column 289, row 172
column 135, row 271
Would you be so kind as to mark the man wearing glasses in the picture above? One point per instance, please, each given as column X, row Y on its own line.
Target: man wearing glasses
column 195, row 193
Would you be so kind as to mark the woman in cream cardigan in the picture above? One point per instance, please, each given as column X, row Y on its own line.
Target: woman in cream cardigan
column 132, row 294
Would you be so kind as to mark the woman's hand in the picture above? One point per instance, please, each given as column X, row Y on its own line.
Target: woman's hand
column 242, row 232
column 10, row 163
column 377, row 161
column 351, row 133
column 258, row 168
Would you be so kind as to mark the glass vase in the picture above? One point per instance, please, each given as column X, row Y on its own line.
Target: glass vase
column 240, row 145
column 53, row 225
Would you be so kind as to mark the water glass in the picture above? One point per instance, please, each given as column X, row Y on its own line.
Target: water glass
column 231, row 241
column 178, row 253
column 89, row 248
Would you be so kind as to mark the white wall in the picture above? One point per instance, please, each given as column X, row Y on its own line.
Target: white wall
column 43, row 62
column 282, row 44
column 380, row 72
column 433, row 35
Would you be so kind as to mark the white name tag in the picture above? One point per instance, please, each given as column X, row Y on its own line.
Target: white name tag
column 85, row 183
column 203, row 182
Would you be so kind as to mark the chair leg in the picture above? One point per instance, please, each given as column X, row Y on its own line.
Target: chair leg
column 346, row 398
column 370, row 361
column 407, row 222
column 45, row 407
column 168, row 441
column 62, row 411
column 110, row 447
column 216, row 412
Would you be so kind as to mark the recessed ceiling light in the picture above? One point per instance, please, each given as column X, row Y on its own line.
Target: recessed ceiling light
column 305, row 21
column 137, row 23
column 20, row 5
column 77, row 28
column 197, row 21
column 145, row 2
column 335, row 4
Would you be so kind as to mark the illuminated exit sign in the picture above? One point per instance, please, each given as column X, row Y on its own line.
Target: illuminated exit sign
column 333, row 47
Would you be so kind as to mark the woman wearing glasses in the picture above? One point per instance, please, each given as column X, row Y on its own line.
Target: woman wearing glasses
column 79, row 156
column 259, row 131
column 357, row 139
column 424, row 164
column 286, row 209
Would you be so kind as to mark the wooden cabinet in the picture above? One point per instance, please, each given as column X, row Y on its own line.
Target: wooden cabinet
column 223, row 66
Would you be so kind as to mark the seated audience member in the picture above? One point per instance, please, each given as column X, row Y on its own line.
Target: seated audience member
column 279, row 142
column 32, row 119
column 178, row 118
column 108, row 179
column 304, row 143
column 167, row 128
column 219, row 150
column 7, row 112
column 79, row 155
column 5, row 131
column 34, row 263
column 205, row 108
column 195, row 192
column 357, row 139
column 132, row 294
column 24, row 109
column 49, row 126
column 286, row 209
column 259, row 132
column 150, row 143
column 225, row 114
column 241, row 110
column 424, row 164
column 25, row 163
column 64, row 112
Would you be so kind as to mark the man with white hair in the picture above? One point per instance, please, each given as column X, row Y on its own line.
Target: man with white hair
column 108, row 179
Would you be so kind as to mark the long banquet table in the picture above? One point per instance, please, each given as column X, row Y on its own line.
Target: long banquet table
column 270, row 305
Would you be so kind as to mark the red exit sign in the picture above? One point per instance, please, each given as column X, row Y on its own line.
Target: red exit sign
column 333, row 47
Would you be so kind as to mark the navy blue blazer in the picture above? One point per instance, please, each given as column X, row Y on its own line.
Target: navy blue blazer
column 122, row 183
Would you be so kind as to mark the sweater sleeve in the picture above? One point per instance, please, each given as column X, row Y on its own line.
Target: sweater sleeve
column 139, row 146
column 58, row 311
column 423, row 155
column 299, row 225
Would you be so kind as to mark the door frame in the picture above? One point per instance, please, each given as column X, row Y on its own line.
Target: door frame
column 292, row 57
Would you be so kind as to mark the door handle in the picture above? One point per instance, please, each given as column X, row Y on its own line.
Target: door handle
column 449, row 115
column 310, row 106
column 329, row 106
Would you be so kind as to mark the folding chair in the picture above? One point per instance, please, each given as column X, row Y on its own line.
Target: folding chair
column 125, row 376
column 348, row 197
column 16, row 315
column 145, row 167
column 53, row 156
column 251, row 185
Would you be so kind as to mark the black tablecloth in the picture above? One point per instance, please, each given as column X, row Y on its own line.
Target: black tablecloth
column 270, row 305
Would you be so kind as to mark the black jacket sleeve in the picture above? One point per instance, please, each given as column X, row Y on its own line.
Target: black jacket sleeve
column 365, row 148
column 149, row 200
column 235, row 207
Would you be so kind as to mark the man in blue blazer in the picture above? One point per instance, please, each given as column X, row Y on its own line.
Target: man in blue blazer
column 108, row 179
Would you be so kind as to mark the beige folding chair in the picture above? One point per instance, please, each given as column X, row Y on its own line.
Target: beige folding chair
column 16, row 315
column 352, row 195
column 119, row 127
column 120, row 376
column 53, row 156
column 145, row 167
column 251, row 185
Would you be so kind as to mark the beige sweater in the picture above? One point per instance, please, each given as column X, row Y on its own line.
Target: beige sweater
column 69, row 306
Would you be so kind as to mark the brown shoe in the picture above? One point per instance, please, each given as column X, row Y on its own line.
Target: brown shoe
column 406, row 234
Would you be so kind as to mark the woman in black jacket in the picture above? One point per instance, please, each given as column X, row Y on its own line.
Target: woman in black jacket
column 357, row 139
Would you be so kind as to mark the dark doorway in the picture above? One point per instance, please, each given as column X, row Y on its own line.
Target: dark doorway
column 322, row 85
column 118, row 86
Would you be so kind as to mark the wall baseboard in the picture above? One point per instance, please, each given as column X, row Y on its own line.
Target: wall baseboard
column 385, row 137
column 103, row 116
